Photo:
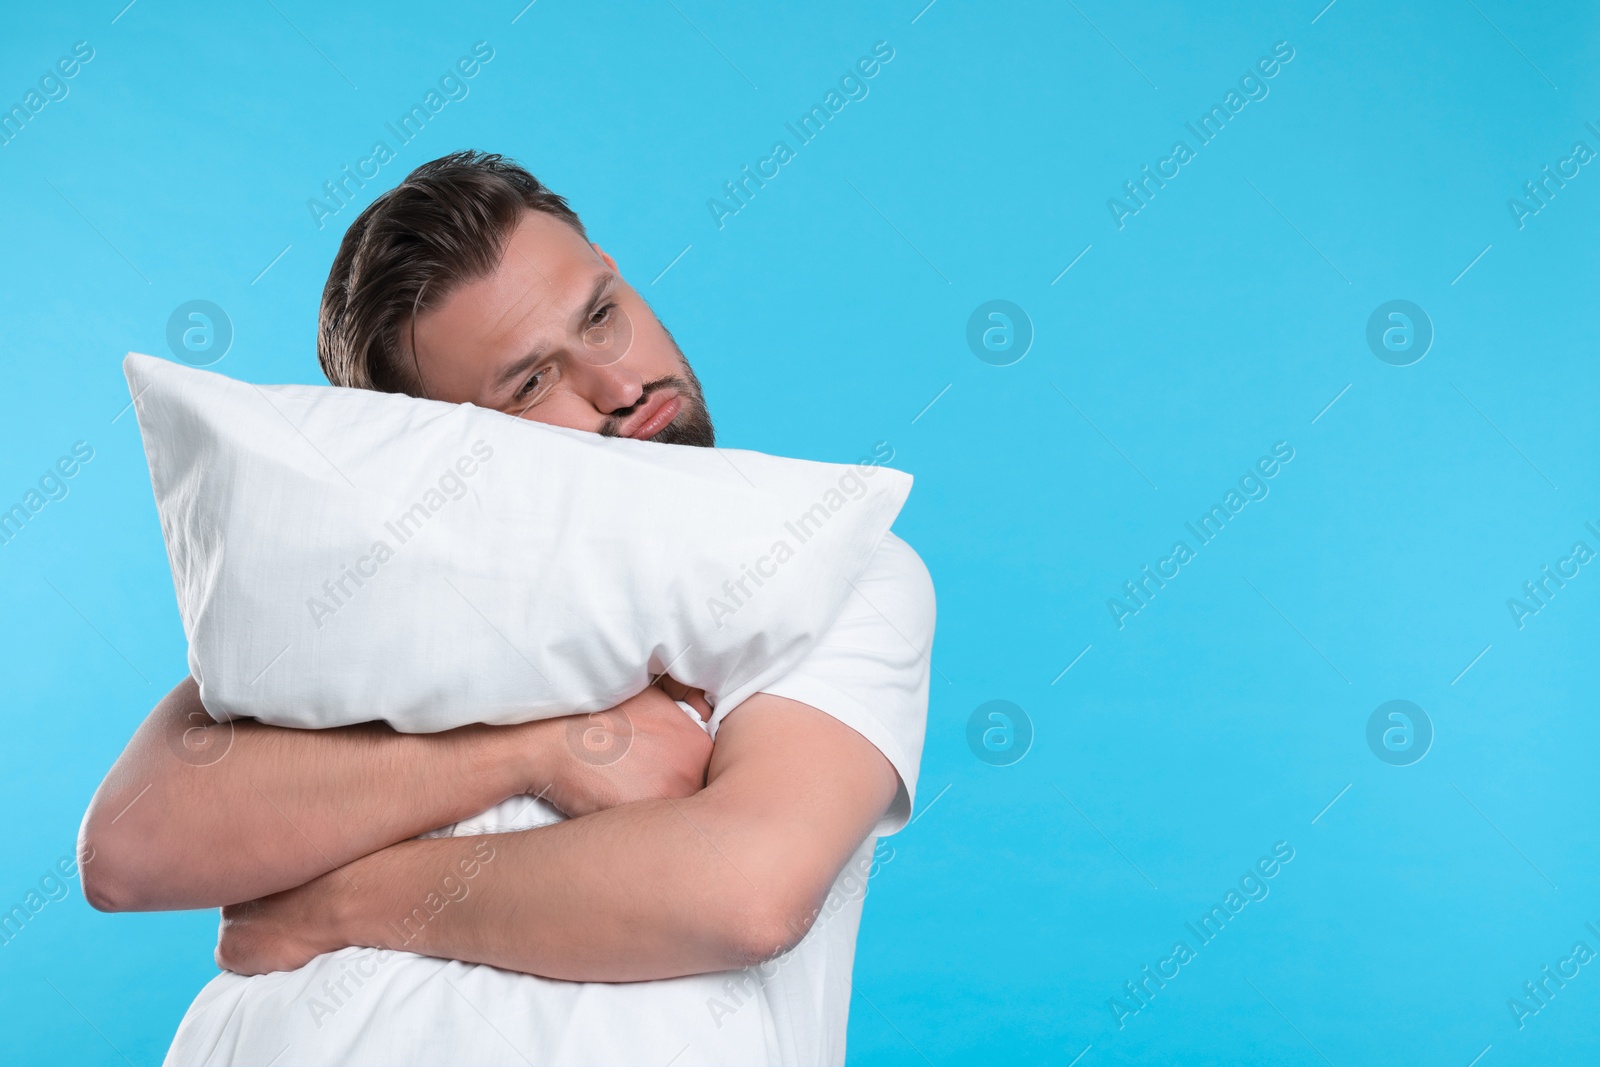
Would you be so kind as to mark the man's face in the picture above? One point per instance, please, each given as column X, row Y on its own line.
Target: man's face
column 555, row 335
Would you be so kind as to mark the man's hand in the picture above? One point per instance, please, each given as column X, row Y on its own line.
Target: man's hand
column 645, row 748
column 283, row 932
column 695, row 698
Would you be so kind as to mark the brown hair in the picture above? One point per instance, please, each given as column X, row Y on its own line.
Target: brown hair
column 446, row 223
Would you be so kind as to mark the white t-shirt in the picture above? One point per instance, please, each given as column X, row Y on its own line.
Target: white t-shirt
column 363, row 1006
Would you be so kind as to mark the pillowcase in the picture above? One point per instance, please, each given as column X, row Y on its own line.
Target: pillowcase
column 342, row 555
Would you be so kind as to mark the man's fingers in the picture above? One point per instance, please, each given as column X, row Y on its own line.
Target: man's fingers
column 687, row 694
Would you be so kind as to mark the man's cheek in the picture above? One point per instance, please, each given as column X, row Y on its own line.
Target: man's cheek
column 653, row 354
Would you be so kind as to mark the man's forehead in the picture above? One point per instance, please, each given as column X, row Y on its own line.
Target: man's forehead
column 544, row 268
column 537, row 286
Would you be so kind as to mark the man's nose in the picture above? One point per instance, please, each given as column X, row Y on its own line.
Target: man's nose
column 611, row 388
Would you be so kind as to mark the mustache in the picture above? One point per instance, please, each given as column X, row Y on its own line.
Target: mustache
column 616, row 418
column 691, row 427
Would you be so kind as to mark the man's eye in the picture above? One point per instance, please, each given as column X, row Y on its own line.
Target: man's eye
column 531, row 386
column 602, row 316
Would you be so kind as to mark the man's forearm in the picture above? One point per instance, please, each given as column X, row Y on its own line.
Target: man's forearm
column 197, row 815
column 638, row 892
column 652, row 889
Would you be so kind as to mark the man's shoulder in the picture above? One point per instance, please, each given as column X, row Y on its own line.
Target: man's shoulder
column 895, row 561
column 897, row 585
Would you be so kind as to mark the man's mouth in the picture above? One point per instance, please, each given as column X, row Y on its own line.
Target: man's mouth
column 657, row 413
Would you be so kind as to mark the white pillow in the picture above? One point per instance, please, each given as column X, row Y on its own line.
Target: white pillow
column 343, row 555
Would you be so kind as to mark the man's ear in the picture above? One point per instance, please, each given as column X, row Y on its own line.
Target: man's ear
column 602, row 254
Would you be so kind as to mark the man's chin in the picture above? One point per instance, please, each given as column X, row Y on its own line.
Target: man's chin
column 691, row 427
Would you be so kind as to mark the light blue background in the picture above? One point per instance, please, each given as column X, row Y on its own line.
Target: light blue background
column 824, row 317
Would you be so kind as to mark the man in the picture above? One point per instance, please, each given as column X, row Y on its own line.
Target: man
column 672, row 867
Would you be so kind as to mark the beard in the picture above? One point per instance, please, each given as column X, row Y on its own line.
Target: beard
column 692, row 425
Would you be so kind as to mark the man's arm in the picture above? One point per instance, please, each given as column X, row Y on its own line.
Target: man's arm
column 653, row 889
column 197, row 814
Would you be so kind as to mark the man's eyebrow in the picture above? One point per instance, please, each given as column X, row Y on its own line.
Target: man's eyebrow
column 602, row 285
column 518, row 369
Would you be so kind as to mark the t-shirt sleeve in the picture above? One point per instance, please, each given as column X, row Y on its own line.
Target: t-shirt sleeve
column 870, row 669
